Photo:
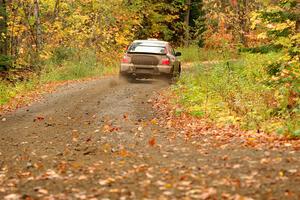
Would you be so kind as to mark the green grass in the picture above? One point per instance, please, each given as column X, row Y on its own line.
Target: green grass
column 80, row 66
column 195, row 54
column 234, row 92
column 9, row 91
column 5, row 93
column 71, row 71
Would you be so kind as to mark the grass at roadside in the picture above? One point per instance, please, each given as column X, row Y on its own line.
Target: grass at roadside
column 194, row 54
column 8, row 91
column 235, row 92
column 64, row 65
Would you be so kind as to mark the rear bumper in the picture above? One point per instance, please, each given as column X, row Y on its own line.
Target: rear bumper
column 145, row 70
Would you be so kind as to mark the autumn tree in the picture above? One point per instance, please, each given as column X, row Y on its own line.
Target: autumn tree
column 159, row 19
column 187, row 22
column 278, row 23
column 229, row 21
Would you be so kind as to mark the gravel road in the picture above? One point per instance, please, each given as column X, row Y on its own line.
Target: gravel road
column 101, row 140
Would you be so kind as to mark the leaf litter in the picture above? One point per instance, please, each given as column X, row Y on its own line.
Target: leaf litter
column 140, row 154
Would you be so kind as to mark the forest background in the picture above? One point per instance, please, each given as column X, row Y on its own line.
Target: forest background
column 254, row 84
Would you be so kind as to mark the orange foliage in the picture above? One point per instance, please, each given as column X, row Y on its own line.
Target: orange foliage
column 217, row 39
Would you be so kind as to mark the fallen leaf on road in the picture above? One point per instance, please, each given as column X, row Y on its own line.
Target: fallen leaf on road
column 264, row 161
column 200, row 194
column 12, row 197
column 42, row 191
column 152, row 142
column 154, row 121
column 106, row 181
column 236, row 166
column 82, row 177
column 39, row 118
column 293, row 171
column 124, row 153
column 239, row 197
column 109, row 128
column 185, row 183
column 50, row 174
column 160, row 183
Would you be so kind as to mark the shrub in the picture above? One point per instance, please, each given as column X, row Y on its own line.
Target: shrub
column 61, row 54
column 262, row 49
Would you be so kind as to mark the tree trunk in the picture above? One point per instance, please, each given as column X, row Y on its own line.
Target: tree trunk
column 56, row 9
column 3, row 29
column 187, row 23
column 297, row 8
column 243, row 26
column 37, row 25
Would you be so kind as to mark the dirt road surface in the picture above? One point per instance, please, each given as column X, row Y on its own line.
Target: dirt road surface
column 101, row 140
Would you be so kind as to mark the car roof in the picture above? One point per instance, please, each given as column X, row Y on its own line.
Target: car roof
column 152, row 42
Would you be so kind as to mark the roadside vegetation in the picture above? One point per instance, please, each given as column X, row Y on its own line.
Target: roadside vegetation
column 194, row 54
column 257, row 88
column 237, row 92
column 65, row 65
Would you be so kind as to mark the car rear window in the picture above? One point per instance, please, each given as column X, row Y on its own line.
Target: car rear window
column 142, row 48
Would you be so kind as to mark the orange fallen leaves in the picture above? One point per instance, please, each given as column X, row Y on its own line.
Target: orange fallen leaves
column 152, row 142
column 125, row 116
column 109, row 128
column 39, row 118
column 124, row 153
column 194, row 128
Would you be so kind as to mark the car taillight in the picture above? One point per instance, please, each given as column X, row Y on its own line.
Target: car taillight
column 165, row 61
column 125, row 59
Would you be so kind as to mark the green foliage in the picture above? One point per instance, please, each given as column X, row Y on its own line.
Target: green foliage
column 196, row 54
column 5, row 61
column 4, row 93
column 160, row 19
column 106, row 26
column 9, row 91
column 164, row 19
column 279, row 23
column 197, row 22
column 66, row 64
column 74, row 65
column 262, row 49
column 61, row 54
column 234, row 92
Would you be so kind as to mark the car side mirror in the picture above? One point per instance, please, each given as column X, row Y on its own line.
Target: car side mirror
column 178, row 54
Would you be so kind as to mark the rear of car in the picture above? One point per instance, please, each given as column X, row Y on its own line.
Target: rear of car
column 148, row 59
